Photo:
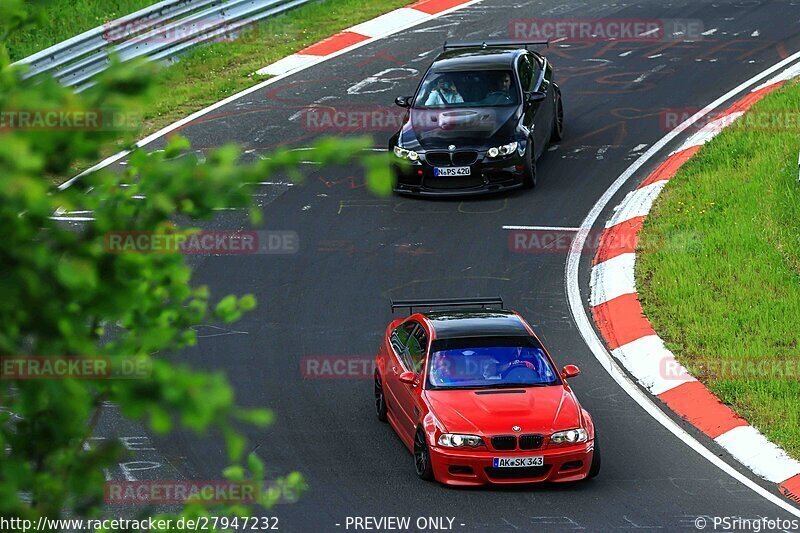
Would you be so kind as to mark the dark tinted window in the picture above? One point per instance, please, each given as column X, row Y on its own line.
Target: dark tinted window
column 477, row 88
column 525, row 70
column 415, row 347
column 410, row 342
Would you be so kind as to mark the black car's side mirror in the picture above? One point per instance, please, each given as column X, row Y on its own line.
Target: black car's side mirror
column 403, row 101
column 537, row 96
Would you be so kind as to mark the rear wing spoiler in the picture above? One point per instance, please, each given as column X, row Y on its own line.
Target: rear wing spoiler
column 447, row 302
column 495, row 44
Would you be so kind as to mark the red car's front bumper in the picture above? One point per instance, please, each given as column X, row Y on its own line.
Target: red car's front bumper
column 471, row 467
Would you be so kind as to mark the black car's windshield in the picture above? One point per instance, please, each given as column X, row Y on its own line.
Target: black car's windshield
column 489, row 362
column 477, row 88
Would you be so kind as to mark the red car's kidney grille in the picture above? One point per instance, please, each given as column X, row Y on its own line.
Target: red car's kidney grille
column 530, row 442
column 504, row 442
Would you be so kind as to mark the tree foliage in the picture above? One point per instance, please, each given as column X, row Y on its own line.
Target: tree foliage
column 63, row 294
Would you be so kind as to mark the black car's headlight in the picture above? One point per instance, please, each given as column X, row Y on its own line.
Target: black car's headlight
column 502, row 151
column 457, row 440
column 571, row 436
column 402, row 153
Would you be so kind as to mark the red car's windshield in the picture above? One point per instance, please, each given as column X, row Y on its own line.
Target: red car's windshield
column 489, row 362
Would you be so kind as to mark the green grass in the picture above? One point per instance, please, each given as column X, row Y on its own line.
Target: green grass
column 62, row 19
column 211, row 73
column 727, row 288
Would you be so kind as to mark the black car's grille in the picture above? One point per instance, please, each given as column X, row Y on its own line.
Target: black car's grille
column 459, row 159
column 504, row 442
column 438, row 159
column 528, row 472
column 530, row 442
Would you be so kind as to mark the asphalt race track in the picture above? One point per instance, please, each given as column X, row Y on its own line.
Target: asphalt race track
column 357, row 251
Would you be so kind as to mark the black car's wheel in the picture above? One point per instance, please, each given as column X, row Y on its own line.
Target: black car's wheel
column 380, row 399
column 595, row 468
column 529, row 172
column 558, row 119
column 422, row 456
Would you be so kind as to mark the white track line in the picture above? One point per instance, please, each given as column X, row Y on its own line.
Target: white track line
column 584, row 324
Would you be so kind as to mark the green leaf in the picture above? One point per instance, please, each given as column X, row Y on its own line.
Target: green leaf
column 234, row 473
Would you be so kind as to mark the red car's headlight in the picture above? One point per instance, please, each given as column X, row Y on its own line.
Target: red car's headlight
column 457, row 440
column 570, row 436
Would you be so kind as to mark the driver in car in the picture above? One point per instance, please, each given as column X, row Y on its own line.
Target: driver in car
column 523, row 359
column 444, row 92
column 502, row 92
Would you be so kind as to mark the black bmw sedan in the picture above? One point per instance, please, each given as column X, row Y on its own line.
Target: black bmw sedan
column 482, row 115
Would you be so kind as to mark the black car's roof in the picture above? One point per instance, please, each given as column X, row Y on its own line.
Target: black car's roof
column 476, row 58
column 475, row 323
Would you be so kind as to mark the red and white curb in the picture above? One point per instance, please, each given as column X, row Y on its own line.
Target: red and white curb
column 376, row 28
column 631, row 340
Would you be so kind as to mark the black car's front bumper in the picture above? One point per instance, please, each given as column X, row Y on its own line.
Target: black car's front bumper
column 486, row 175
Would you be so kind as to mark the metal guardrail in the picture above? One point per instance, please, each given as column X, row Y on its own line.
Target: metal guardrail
column 159, row 32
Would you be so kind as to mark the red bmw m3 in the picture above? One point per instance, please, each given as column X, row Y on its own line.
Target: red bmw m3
column 477, row 399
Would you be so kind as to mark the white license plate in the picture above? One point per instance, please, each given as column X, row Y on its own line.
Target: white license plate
column 518, row 462
column 451, row 171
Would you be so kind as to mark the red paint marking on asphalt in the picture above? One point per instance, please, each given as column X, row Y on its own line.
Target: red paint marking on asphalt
column 333, row 44
column 694, row 402
column 619, row 239
column 432, row 7
column 621, row 320
column 667, row 169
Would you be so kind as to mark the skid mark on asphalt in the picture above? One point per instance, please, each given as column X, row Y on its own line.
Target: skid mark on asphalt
column 205, row 331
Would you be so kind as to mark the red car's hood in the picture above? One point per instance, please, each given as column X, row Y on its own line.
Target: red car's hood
column 537, row 410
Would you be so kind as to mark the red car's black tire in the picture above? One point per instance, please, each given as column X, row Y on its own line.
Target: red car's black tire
column 380, row 399
column 596, row 461
column 422, row 457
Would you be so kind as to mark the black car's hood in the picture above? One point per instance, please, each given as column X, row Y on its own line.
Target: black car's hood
column 464, row 127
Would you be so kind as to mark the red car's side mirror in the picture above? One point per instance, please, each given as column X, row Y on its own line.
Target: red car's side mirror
column 570, row 371
column 409, row 378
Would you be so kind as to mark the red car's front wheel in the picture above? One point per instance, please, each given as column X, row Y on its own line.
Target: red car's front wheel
column 422, row 456
column 595, row 468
